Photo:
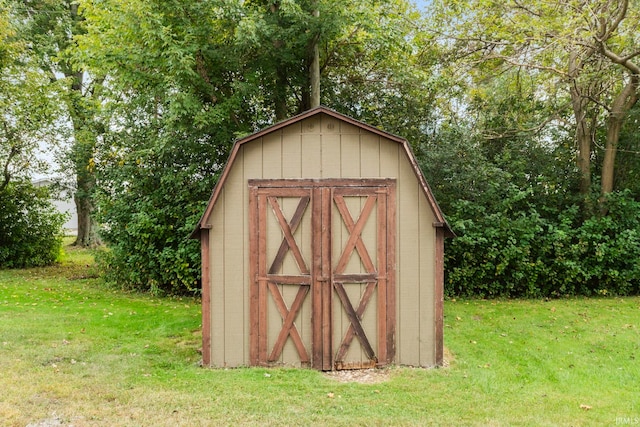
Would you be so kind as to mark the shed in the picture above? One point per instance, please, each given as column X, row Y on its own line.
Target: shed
column 322, row 246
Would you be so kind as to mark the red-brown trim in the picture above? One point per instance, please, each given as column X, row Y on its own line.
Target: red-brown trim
column 391, row 273
column 439, row 297
column 254, row 314
column 206, row 298
column 325, row 205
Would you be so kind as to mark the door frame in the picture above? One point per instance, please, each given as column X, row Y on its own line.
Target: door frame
column 320, row 283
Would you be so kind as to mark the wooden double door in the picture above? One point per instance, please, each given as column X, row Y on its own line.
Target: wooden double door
column 322, row 264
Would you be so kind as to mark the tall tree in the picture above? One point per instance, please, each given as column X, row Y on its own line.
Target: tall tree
column 587, row 48
column 48, row 26
column 27, row 105
column 184, row 79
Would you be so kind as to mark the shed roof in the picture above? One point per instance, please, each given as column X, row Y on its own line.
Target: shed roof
column 440, row 219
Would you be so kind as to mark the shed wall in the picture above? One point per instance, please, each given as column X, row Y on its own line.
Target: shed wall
column 321, row 146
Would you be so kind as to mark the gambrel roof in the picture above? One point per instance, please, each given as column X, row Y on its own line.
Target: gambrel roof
column 440, row 219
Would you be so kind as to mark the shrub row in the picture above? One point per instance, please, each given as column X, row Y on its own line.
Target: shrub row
column 509, row 252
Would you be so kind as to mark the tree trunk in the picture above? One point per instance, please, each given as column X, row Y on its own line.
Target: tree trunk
column 625, row 100
column 87, row 226
column 280, row 93
column 314, row 71
column 583, row 132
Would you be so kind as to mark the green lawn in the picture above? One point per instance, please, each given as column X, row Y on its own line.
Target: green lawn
column 74, row 352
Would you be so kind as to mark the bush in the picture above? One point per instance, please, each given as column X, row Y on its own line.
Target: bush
column 30, row 227
column 511, row 252
column 149, row 204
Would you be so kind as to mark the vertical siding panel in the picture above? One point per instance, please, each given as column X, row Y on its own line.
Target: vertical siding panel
column 205, row 243
column 370, row 156
column 409, row 266
column 438, row 297
column 389, row 168
column 311, row 152
column 330, row 159
column 217, row 260
column 426, row 263
column 312, row 155
column 350, row 156
column 272, row 155
column 291, row 155
column 234, row 278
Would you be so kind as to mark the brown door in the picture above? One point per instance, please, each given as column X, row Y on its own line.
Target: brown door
column 323, row 264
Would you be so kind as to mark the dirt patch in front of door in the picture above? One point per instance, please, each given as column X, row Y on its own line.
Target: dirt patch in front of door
column 374, row 376
column 362, row 376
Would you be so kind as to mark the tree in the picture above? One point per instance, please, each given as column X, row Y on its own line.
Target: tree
column 184, row 79
column 48, row 27
column 586, row 48
column 30, row 228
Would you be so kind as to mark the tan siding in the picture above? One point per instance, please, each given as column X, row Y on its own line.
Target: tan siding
column 427, row 274
column 408, row 267
column 236, row 249
column 312, row 149
column 330, row 156
column 217, row 259
column 370, row 155
column 272, row 155
column 348, row 128
column 389, row 164
column 291, row 155
column 350, row 156
column 250, row 169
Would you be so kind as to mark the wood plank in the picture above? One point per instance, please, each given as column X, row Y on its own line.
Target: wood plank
column 218, row 265
column 254, row 285
column 369, row 155
column 262, row 270
column 409, row 195
column 355, row 230
column 206, row 297
column 427, row 278
column 288, row 326
column 330, row 156
column 355, row 322
column 288, row 228
column 326, row 284
column 236, row 298
column 391, row 273
column 316, row 287
column 287, row 279
column 362, row 306
column 342, row 186
column 439, row 297
column 381, row 255
column 350, row 156
column 356, row 278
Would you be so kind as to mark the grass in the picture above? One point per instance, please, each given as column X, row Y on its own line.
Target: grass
column 75, row 352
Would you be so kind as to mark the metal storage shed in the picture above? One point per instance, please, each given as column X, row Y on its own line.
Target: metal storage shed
column 322, row 246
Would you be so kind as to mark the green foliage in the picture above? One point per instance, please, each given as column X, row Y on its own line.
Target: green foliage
column 185, row 79
column 151, row 197
column 519, row 253
column 30, row 227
